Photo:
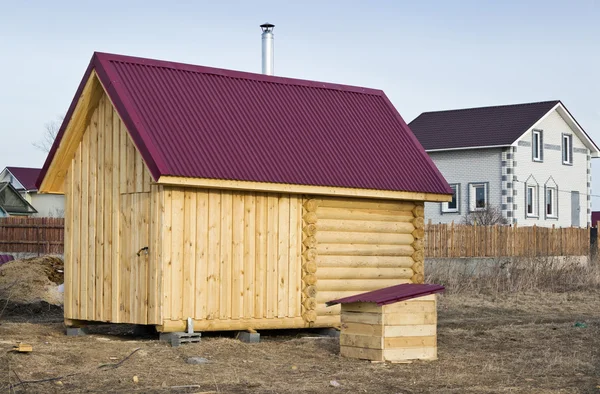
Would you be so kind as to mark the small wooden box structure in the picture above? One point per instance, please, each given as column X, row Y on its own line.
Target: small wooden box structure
column 396, row 324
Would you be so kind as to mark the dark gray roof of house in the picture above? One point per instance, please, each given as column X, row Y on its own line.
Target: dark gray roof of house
column 476, row 127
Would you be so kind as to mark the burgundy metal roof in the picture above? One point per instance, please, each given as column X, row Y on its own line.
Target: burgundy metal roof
column 195, row 121
column 474, row 127
column 5, row 258
column 26, row 176
column 390, row 295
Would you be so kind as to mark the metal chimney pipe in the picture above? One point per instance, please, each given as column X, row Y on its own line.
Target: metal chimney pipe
column 268, row 49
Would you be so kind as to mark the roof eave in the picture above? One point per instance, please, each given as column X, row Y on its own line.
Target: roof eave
column 467, row 148
column 302, row 189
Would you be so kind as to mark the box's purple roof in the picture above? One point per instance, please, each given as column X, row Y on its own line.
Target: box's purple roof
column 5, row 258
column 390, row 295
column 201, row 122
column 26, row 176
column 477, row 127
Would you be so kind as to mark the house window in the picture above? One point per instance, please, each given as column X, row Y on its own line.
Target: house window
column 551, row 202
column 452, row 206
column 478, row 196
column 567, row 149
column 537, row 145
column 532, row 201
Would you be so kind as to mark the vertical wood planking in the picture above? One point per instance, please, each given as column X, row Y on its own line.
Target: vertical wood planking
column 237, row 270
column 201, row 253
column 294, row 257
column 167, row 253
column 261, row 220
column 226, row 250
column 83, row 227
column 91, row 266
column 107, row 212
column 214, row 253
column 250, row 262
column 99, row 216
column 272, row 254
column 177, row 206
column 74, row 177
column 283, row 255
column 189, row 252
column 70, row 250
column 143, row 260
column 115, row 213
column 153, row 267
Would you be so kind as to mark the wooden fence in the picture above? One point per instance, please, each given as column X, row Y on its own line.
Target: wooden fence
column 451, row 240
column 32, row 235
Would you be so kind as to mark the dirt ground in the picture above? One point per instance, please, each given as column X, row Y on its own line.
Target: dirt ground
column 519, row 344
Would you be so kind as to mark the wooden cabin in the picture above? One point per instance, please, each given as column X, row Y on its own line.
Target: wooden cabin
column 242, row 201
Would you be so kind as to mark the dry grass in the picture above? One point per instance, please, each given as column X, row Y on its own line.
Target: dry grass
column 523, row 343
column 515, row 275
column 512, row 333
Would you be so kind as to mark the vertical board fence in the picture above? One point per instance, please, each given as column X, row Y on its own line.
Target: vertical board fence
column 452, row 240
column 32, row 235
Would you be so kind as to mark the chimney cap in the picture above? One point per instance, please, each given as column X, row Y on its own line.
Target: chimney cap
column 267, row 27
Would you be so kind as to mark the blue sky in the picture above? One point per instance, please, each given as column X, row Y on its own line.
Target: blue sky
column 427, row 55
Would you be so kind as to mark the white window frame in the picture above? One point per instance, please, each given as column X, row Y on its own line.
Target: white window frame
column 533, row 203
column 552, row 203
column 446, row 205
column 473, row 195
column 567, row 147
column 537, row 153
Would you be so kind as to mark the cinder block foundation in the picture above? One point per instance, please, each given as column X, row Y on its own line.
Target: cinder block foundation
column 179, row 338
column 76, row 331
column 248, row 337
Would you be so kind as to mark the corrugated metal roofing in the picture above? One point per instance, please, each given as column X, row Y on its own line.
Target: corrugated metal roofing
column 194, row 121
column 5, row 258
column 474, row 127
column 26, row 176
column 392, row 294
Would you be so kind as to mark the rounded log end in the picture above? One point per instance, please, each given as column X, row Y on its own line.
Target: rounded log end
column 311, row 205
column 310, row 267
column 418, row 222
column 310, row 316
column 310, row 217
column 310, row 304
column 310, row 230
column 418, row 278
column 418, row 256
column 418, row 268
column 309, row 279
column 310, row 291
column 418, row 245
column 418, row 211
column 310, row 254
column 310, row 242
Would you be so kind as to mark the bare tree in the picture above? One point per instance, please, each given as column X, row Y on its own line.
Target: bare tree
column 50, row 131
column 485, row 217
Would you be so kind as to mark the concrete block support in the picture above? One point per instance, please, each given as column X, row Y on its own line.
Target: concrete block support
column 179, row 338
column 248, row 337
column 76, row 331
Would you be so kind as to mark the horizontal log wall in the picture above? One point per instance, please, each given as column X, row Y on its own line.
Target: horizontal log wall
column 108, row 209
column 231, row 259
column 452, row 240
column 362, row 245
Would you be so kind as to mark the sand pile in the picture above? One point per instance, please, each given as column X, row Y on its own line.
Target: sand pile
column 31, row 281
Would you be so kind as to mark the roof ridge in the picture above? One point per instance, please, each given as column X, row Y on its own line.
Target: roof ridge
column 237, row 74
column 491, row 106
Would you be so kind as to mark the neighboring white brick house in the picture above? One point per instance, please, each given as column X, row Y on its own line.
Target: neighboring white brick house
column 534, row 163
